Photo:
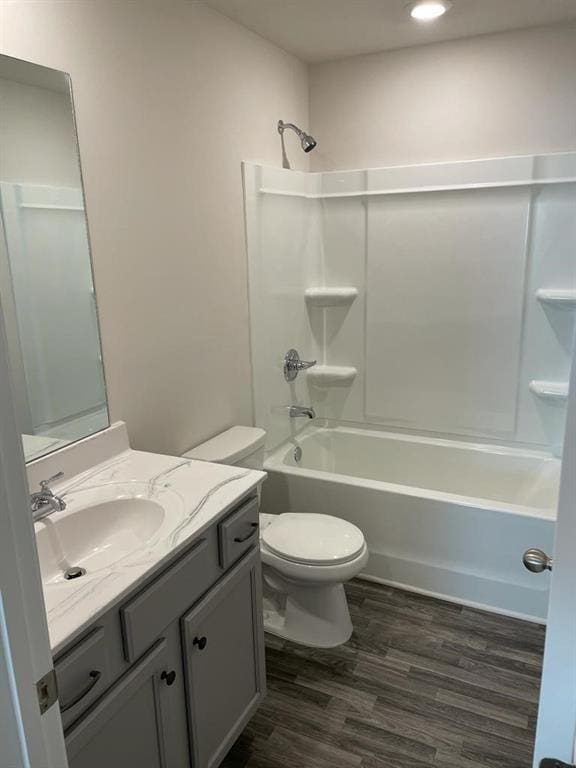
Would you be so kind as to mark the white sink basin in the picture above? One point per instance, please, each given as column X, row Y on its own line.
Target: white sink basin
column 101, row 526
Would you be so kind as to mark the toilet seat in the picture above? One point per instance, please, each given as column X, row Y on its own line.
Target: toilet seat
column 313, row 540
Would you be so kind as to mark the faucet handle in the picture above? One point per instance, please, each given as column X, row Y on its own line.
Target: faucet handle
column 45, row 484
column 292, row 364
column 303, row 365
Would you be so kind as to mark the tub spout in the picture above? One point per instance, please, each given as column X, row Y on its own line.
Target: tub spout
column 296, row 411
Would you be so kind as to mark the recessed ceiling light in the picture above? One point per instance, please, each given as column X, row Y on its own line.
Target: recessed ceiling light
column 428, row 10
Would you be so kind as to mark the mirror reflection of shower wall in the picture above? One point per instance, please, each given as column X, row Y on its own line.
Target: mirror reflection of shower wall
column 46, row 286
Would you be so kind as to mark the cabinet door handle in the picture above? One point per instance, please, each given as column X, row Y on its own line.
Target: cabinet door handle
column 242, row 539
column 201, row 642
column 170, row 677
column 94, row 678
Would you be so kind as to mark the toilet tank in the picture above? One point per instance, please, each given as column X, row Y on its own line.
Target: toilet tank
column 242, row 446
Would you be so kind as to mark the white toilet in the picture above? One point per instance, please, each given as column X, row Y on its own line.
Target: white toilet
column 306, row 557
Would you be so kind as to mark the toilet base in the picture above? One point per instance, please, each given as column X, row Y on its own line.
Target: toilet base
column 316, row 616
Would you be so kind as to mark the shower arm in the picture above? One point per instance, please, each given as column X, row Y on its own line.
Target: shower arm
column 307, row 142
column 282, row 127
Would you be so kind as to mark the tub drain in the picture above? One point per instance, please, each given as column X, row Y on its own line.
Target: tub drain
column 74, row 573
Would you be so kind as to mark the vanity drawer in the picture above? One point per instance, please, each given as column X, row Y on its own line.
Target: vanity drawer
column 169, row 596
column 238, row 532
column 83, row 674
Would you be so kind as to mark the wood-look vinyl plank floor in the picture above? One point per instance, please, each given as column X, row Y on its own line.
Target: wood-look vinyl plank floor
column 422, row 683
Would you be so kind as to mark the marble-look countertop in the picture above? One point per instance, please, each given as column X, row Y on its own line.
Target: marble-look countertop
column 193, row 493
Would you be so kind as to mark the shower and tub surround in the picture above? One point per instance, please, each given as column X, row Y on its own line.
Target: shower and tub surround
column 443, row 517
column 437, row 300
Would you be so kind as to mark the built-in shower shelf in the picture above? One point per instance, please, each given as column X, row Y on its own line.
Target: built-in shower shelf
column 50, row 207
column 550, row 390
column 332, row 375
column 330, row 297
column 563, row 299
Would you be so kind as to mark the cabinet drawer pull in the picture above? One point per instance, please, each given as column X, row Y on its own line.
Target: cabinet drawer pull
column 201, row 642
column 94, row 678
column 170, row 677
column 242, row 539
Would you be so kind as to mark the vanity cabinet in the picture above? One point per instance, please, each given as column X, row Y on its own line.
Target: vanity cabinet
column 225, row 673
column 83, row 674
column 132, row 724
column 170, row 677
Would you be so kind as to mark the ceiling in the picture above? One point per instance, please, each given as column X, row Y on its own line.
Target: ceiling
column 321, row 30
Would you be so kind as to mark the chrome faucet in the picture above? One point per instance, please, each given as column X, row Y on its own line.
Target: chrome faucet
column 296, row 411
column 292, row 365
column 44, row 502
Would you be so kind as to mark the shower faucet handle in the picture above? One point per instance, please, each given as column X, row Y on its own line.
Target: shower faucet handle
column 302, row 365
column 293, row 365
column 45, row 484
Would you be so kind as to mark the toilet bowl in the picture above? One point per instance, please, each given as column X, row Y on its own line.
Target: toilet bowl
column 306, row 557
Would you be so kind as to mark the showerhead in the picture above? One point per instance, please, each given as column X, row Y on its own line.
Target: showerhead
column 307, row 142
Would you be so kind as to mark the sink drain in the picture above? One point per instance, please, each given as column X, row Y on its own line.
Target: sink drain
column 74, row 573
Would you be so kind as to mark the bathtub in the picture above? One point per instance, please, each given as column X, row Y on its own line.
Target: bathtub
column 441, row 517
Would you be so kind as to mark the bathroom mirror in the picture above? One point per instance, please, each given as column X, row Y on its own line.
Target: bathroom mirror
column 46, row 286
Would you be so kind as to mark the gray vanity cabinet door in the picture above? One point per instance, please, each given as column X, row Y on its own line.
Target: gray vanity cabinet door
column 224, row 659
column 130, row 725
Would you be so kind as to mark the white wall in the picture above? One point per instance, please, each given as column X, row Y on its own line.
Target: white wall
column 170, row 98
column 496, row 95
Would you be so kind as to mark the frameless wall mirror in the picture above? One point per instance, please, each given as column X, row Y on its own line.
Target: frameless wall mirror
column 46, row 286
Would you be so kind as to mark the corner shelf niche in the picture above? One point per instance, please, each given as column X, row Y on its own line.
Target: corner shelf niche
column 557, row 297
column 332, row 375
column 550, row 390
column 330, row 297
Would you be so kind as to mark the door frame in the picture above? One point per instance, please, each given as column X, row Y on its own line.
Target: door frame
column 556, row 730
column 25, row 654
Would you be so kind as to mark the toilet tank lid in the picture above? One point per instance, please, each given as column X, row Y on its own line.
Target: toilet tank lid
column 230, row 446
